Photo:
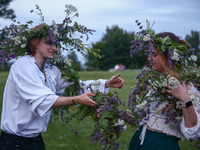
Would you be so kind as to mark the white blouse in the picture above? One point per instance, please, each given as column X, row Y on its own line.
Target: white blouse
column 157, row 120
column 28, row 99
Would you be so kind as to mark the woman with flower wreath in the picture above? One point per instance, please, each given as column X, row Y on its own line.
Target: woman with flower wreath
column 165, row 100
column 34, row 87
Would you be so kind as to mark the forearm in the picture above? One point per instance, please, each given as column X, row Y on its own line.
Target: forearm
column 83, row 99
column 190, row 116
column 64, row 101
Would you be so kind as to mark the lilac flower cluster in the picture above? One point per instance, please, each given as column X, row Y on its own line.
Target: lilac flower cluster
column 66, row 35
column 108, row 126
column 143, row 40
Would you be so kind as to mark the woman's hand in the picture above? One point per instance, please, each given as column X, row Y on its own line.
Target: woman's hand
column 180, row 92
column 115, row 81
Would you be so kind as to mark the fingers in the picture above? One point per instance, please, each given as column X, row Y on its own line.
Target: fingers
column 183, row 84
column 168, row 91
column 116, row 76
column 91, row 103
column 90, row 94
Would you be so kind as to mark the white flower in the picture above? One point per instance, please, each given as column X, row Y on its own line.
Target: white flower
column 175, row 55
column 178, row 105
column 164, row 83
column 146, row 37
column 18, row 42
column 191, row 94
column 119, row 123
column 173, row 82
column 23, row 45
column 77, row 14
column 68, row 62
column 193, row 57
column 70, row 8
column 24, row 38
column 17, row 38
column 142, row 105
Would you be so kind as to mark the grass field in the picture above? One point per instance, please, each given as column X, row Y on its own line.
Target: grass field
column 59, row 136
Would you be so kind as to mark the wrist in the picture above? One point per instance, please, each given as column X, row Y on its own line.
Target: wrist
column 73, row 101
column 185, row 99
column 187, row 104
column 107, row 84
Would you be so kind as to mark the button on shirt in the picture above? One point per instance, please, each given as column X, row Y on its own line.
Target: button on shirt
column 28, row 97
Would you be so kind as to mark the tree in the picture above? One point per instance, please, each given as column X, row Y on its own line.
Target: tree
column 94, row 62
column 5, row 12
column 114, row 49
column 75, row 64
column 194, row 40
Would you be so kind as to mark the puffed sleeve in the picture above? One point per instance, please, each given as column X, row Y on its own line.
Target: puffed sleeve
column 193, row 132
column 31, row 89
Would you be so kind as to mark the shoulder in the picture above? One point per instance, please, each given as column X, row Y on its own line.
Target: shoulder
column 24, row 61
column 24, row 64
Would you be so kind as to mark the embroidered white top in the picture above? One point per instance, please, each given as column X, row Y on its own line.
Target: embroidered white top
column 28, row 98
column 157, row 120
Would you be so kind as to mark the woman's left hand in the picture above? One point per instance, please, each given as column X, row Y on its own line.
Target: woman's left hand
column 115, row 81
column 180, row 92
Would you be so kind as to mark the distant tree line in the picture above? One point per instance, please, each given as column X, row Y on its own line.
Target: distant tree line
column 114, row 49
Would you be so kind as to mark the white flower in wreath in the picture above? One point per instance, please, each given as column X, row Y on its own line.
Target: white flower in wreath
column 175, row 55
column 23, row 45
column 18, row 42
column 68, row 62
column 24, row 38
column 146, row 37
column 193, row 58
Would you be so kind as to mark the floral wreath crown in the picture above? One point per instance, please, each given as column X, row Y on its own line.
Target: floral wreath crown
column 66, row 36
column 178, row 53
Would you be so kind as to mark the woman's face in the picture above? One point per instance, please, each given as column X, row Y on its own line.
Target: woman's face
column 45, row 48
column 158, row 61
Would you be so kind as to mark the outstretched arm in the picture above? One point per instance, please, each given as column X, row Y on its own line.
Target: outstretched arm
column 83, row 99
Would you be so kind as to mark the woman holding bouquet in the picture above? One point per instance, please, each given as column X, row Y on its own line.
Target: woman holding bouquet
column 165, row 101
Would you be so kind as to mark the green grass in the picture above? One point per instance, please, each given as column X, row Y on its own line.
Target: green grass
column 59, row 136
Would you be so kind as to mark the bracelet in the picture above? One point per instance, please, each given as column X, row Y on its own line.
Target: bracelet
column 73, row 102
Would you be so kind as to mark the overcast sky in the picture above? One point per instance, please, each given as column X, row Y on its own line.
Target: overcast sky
column 177, row 16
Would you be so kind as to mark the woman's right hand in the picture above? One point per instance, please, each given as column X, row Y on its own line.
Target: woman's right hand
column 85, row 99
